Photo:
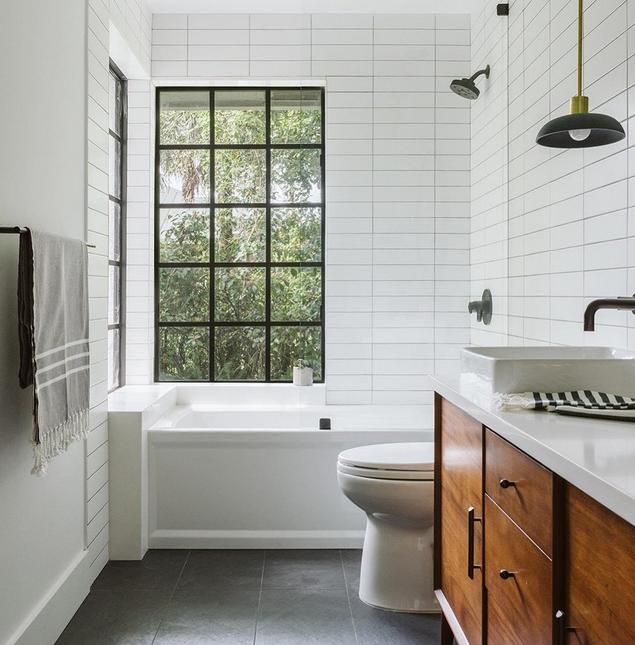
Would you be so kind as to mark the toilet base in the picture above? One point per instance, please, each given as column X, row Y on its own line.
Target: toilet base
column 397, row 566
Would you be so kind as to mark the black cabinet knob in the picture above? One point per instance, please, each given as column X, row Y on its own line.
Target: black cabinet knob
column 506, row 575
column 506, row 483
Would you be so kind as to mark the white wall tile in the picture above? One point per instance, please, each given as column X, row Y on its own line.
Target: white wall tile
column 549, row 229
column 388, row 181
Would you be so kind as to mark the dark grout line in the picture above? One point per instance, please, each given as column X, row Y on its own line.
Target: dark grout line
column 262, row 578
column 348, row 597
column 176, row 584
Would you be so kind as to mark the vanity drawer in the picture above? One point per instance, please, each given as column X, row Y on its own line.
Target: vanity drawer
column 518, row 577
column 521, row 487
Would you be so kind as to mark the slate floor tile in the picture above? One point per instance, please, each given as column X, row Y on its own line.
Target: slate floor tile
column 212, row 617
column 240, row 597
column 295, row 617
column 159, row 569
column 352, row 559
column 303, row 569
column 223, row 569
column 379, row 627
column 108, row 617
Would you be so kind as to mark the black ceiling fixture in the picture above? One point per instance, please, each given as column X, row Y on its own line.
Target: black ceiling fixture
column 580, row 128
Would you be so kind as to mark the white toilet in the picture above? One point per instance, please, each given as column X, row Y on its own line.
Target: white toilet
column 393, row 483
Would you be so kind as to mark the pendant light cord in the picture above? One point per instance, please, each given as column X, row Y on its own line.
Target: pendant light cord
column 580, row 38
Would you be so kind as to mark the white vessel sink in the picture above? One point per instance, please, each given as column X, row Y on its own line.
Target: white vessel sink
column 549, row 369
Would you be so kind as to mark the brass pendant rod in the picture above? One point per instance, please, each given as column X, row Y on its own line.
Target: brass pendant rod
column 580, row 38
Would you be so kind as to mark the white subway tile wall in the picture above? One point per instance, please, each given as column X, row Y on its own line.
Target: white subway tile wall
column 398, row 177
column 133, row 20
column 139, row 247
column 489, row 168
column 566, row 234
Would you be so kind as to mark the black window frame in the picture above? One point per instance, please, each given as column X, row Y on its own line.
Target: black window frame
column 122, row 202
column 212, row 206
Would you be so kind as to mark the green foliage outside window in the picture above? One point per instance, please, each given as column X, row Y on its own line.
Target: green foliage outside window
column 226, row 308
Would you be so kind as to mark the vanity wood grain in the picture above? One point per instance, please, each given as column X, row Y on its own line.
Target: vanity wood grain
column 518, row 607
column 599, row 574
column 528, row 497
column 459, row 463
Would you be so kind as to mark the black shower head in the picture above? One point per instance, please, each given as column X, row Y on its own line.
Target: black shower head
column 466, row 87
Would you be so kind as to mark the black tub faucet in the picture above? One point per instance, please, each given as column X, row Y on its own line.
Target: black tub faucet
column 622, row 302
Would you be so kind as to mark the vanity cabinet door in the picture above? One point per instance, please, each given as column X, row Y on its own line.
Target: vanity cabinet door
column 458, row 525
column 518, row 582
column 600, row 574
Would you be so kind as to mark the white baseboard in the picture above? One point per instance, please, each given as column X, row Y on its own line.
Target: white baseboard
column 183, row 539
column 48, row 619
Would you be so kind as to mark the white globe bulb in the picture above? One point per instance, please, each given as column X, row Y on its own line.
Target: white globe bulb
column 579, row 135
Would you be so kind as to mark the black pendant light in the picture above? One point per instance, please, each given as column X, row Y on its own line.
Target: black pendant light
column 580, row 128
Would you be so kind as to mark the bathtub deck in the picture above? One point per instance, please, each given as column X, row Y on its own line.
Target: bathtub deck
column 251, row 597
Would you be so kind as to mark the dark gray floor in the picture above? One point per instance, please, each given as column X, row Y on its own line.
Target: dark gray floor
column 239, row 598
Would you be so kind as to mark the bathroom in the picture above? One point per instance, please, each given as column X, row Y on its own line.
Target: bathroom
column 353, row 313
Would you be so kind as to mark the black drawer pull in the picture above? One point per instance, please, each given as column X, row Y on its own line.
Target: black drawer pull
column 506, row 483
column 506, row 575
column 471, row 519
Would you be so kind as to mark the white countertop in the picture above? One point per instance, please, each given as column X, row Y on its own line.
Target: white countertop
column 595, row 455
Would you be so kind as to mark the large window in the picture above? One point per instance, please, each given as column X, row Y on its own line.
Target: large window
column 239, row 233
column 116, row 224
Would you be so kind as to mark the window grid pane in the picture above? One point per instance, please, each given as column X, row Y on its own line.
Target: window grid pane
column 116, row 226
column 245, row 208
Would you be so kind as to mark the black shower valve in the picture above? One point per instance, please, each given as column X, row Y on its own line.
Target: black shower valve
column 502, row 9
column 482, row 308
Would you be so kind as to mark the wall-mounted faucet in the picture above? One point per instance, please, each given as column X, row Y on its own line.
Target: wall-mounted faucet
column 482, row 307
column 623, row 302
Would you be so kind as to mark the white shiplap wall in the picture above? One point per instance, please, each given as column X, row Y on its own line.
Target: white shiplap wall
column 133, row 20
column 397, row 176
column 570, row 230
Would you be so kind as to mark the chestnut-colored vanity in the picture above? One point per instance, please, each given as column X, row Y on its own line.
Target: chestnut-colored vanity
column 521, row 556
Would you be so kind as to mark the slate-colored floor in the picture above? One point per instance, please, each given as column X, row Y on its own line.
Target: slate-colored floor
column 239, row 598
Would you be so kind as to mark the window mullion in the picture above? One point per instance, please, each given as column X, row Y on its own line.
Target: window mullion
column 119, row 214
column 212, row 239
column 268, row 237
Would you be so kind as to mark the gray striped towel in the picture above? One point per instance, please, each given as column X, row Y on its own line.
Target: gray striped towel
column 53, row 332
column 578, row 402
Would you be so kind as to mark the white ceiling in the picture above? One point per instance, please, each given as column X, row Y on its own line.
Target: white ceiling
column 313, row 6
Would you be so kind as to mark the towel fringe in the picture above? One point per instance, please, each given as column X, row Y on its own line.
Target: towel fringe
column 524, row 401
column 57, row 440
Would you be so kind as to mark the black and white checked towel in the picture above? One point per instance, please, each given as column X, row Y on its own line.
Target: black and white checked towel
column 579, row 402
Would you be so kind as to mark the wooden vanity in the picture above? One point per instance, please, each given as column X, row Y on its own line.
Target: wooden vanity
column 522, row 557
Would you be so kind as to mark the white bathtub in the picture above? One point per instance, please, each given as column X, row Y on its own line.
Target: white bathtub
column 245, row 466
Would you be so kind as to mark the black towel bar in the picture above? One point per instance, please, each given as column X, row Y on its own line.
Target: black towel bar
column 17, row 229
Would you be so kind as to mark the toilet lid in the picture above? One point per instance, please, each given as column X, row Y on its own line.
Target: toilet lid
column 409, row 457
column 380, row 473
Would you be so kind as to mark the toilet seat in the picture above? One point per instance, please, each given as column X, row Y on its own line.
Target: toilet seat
column 376, row 473
column 396, row 461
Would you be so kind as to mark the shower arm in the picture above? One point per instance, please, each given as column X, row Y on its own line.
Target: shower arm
column 480, row 73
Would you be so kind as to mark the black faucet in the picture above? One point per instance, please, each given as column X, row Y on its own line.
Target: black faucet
column 623, row 302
